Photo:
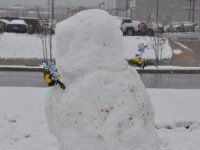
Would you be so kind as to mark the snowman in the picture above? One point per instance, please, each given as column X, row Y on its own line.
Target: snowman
column 105, row 105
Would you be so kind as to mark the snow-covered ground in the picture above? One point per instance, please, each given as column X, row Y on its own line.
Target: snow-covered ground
column 177, row 118
column 131, row 46
column 21, row 46
column 30, row 46
column 23, row 124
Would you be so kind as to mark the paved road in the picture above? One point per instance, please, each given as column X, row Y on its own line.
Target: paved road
column 176, row 81
column 21, row 79
column 190, row 55
column 35, row 79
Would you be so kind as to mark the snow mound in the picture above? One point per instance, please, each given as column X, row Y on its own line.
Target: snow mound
column 105, row 105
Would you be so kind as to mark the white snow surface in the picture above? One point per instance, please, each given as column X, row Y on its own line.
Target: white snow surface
column 14, row 45
column 4, row 21
column 23, row 124
column 177, row 118
column 30, row 46
column 20, row 22
column 105, row 105
column 131, row 47
column 177, row 51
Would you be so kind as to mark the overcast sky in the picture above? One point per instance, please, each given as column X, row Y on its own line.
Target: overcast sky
column 44, row 2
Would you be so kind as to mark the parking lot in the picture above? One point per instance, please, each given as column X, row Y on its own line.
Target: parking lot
column 190, row 55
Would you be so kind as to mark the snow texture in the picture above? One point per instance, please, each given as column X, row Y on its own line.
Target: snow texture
column 105, row 105
column 20, row 22
column 14, row 45
column 23, row 124
column 28, row 46
column 131, row 47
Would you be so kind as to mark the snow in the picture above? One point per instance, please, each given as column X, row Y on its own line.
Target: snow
column 177, row 51
column 20, row 22
column 105, row 105
column 187, row 111
column 30, row 46
column 4, row 21
column 23, row 124
column 131, row 46
column 21, row 46
column 22, row 120
column 177, row 118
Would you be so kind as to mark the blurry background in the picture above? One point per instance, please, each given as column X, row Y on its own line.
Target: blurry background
column 144, row 10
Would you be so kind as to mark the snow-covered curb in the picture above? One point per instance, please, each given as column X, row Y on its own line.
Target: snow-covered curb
column 149, row 69
column 168, row 70
column 20, row 68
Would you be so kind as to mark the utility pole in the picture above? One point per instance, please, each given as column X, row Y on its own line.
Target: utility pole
column 52, row 22
column 20, row 9
column 127, row 3
column 101, row 5
column 48, row 10
column 193, row 10
column 52, row 9
column 108, row 5
column 190, row 10
column 157, row 13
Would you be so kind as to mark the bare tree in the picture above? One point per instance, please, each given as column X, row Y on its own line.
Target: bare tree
column 37, row 9
column 157, row 43
column 44, row 37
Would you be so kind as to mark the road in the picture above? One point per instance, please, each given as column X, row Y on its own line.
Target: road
column 175, row 81
column 190, row 55
column 190, row 48
column 35, row 79
column 21, row 79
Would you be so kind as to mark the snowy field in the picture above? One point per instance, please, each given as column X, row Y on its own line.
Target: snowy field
column 131, row 46
column 23, row 124
column 21, row 46
column 30, row 46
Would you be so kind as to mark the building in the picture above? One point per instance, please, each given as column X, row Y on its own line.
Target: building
column 121, row 4
column 169, row 10
column 123, row 8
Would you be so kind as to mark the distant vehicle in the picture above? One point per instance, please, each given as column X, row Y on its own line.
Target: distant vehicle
column 184, row 26
column 173, row 27
column 3, row 24
column 1, row 28
column 126, row 25
column 129, row 27
column 33, row 23
column 189, row 26
column 156, row 28
column 144, row 29
column 17, row 26
column 197, row 29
